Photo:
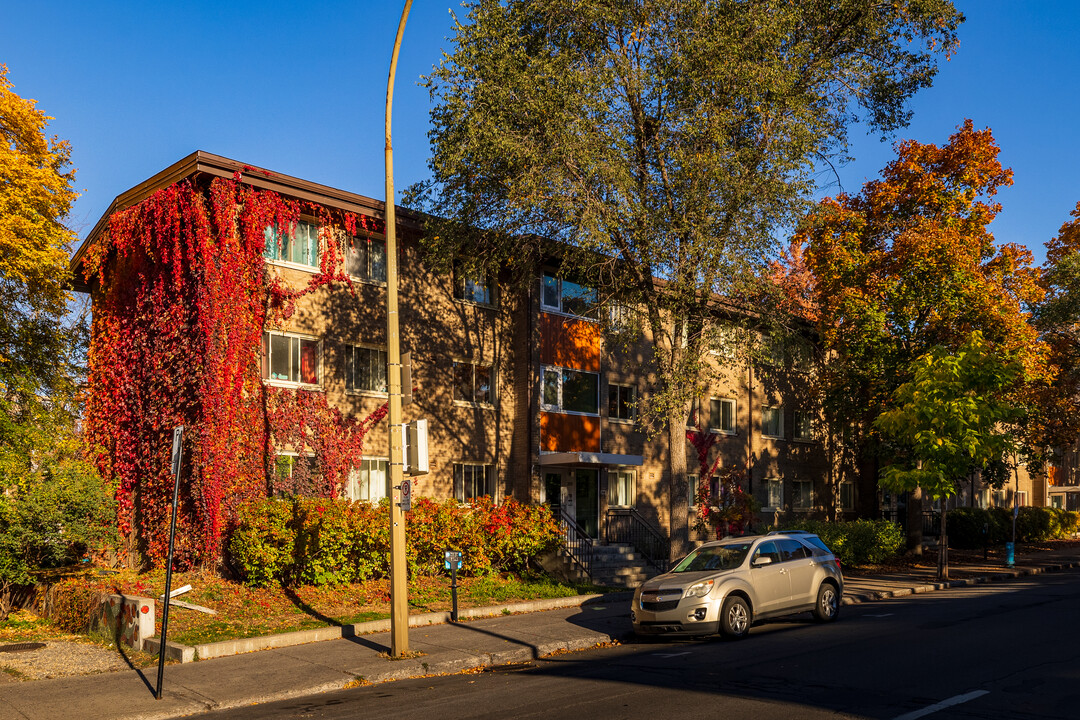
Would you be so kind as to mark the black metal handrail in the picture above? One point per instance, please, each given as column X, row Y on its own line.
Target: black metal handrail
column 576, row 542
column 627, row 526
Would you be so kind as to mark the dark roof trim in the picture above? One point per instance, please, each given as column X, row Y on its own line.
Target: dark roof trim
column 200, row 162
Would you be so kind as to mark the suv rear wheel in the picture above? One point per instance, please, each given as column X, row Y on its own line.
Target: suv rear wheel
column 827, row 606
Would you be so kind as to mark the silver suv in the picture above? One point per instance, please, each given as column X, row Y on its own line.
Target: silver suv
column 727, row 585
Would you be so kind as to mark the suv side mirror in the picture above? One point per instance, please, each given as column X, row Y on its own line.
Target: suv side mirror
column 761, row 560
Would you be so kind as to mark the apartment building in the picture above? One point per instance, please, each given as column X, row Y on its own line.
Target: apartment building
column 523, row 394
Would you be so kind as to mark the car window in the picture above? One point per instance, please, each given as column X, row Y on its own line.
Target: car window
column 768, row 549
column 714, row 557
column 816, row 542
column 792, row 550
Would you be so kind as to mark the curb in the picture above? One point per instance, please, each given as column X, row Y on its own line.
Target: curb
column 227, row 648
column 856, row 598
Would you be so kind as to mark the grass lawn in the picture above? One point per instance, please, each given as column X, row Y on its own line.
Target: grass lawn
column 249, row 612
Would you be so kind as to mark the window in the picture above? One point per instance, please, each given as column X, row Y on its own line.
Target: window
column 298, row 245
column 722, row 415
column 368, row 482
column 290, row 359
column 773, row 351
column 620, row 488
column 622, row 402
column 473, row 480
column 365, row 258
column 847, row 495
column 803, row 426
column 473, row 289
column 723, row 341
column 620, row 317
column 365, row 369
column 712, row 490
column 802, row 495
column 568, row 297
column 472, row 383
column 1022, row 498
column 295, row 475
column 772, row 421
column 774, row 493
column 792, row 550
column 573, row 391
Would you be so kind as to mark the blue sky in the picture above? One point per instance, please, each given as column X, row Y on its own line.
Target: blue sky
column 299, row 88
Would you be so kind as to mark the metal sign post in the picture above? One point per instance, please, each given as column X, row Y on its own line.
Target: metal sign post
column 177, row 453
column 452, row 561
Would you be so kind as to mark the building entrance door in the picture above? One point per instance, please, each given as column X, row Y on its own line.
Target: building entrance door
column 587, row 495
column 553, row 492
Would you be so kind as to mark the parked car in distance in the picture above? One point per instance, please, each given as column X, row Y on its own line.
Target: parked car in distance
column 727, row 585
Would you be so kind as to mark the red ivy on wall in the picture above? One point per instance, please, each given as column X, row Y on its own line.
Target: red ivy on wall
column 183, row 296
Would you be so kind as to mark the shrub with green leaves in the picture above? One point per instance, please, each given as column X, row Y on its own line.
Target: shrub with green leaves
column 1033, row 524
column 300, row 541
column 858, row 542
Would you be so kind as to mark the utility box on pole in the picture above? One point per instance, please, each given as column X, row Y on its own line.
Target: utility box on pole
column 415, row 444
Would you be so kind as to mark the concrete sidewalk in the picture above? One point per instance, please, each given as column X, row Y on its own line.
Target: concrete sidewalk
column 302, row 670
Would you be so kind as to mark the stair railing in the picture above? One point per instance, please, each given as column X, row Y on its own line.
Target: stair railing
column 576, row 542
column 628, row 526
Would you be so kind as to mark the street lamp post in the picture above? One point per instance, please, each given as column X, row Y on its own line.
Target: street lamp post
column 399, row 607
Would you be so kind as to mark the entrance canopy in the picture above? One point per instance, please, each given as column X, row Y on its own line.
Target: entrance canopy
column 589, row 458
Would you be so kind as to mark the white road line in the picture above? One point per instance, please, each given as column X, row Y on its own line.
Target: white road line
column 956, row 700
column 669, row 655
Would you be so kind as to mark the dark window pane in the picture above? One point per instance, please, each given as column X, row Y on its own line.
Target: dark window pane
column 377, row 253
column 580, row 391
column 483, row 384
column 463, row 382
column 280, row 365
column 356, row 257
column 550, row 297
column 551, row 387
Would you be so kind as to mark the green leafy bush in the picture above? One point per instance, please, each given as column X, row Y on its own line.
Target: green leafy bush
column 858, row 542
column 301, row 541
column 1033, row 524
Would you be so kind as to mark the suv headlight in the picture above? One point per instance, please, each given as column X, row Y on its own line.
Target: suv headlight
column 700, row 589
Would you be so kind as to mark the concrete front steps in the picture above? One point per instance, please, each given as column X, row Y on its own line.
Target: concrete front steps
column 619, row 565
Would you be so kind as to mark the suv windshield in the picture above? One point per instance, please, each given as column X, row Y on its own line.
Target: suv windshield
column 714, row 557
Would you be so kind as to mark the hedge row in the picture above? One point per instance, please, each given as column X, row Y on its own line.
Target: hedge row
column 1033, row 524
column 302, row 541
column 858, row 542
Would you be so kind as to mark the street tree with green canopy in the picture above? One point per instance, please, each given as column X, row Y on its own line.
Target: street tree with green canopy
column 658, row 140
column 952, row 418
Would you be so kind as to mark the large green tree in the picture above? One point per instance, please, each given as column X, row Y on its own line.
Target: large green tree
column 953, row 417
column 662, row 144
column 37, row 345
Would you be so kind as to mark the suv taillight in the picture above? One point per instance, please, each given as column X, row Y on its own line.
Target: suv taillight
column 837, row 561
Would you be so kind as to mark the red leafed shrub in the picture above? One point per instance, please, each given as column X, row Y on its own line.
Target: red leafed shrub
column 183, row 295
column 299, row 541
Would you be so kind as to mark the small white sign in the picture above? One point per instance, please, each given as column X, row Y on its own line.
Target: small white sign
column 177, row 436
column 406, row 495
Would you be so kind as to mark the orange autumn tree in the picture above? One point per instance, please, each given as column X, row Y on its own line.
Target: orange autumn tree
column 906, row 265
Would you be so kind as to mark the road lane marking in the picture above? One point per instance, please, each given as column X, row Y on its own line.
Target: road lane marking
column 955, row 700
column 668, row 655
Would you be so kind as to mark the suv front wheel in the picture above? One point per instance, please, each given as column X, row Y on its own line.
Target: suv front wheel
column 735, row 618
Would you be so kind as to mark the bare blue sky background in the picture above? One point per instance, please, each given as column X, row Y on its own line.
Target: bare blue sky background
column 298, row 88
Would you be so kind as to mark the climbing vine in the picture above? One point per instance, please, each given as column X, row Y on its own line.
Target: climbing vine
column 183, row 296
column 724, row 507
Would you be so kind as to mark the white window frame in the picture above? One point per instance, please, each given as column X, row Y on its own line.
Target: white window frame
column 802, row 490
column 459, row 470
column 560, row 373
column 779, row 410
column 369, row 275
column 618, row 387
column 734, row 429
column 490, row 402
column 268, row 360
column 802, row 431
column 350, row 370
column 625, row 479
column 724, row 341
column 355, row 477
column 769, row 485
column 270, row 233
column 559, row 307
column 692, row 485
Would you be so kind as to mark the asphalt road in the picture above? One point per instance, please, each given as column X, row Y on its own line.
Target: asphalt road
column 1004, row 650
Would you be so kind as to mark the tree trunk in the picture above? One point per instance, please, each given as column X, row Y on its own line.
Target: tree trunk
column 914, row 512
column 678, row 511
column 943, row 544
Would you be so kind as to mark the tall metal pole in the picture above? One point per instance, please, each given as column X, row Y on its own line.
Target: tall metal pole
column 399, row 601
